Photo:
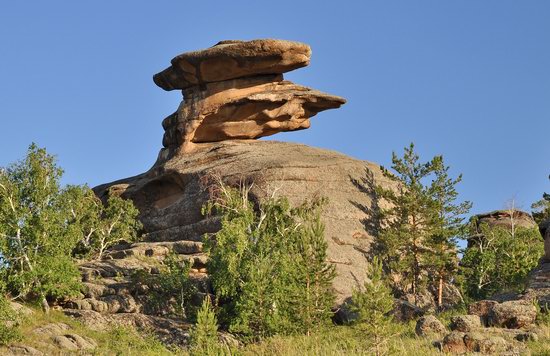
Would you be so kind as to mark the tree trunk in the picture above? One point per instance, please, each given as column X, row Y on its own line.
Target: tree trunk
column 44, row 303
column 440, row 292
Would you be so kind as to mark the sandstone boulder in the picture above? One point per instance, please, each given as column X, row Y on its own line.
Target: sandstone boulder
column 246, row 108
column 233, row 59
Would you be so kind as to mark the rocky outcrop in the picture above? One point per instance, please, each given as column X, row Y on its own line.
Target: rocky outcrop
column 235, row 90
column 171, row 194
column 506, row 219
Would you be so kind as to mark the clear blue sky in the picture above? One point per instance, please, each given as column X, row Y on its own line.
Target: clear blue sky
column 466, row 79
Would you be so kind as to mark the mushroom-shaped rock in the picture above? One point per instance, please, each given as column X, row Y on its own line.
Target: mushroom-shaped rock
column 239, row 109
column 233, row 59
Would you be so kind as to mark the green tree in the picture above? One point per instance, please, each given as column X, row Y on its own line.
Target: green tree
column 421, row 224
column 204, row 334
column 372, row 305
column 42, row 226
column 498, row 260
column 35, row 241
column 9, row 322
column 268, row 264
column 447, row 226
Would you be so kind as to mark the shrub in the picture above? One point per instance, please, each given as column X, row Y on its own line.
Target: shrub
column 499, row 260
column 268, row 264
column 372, row 306
column 204, row 335
column 9, row 323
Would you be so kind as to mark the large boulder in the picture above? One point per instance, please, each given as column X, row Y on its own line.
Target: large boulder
column 170, row 195
column 513, row 314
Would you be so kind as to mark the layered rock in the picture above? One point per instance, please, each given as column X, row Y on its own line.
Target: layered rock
column 235, row 90
column 233, row 59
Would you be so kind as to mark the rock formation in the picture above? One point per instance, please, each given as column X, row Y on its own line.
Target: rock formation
column 235, row 90
column 506, row 219
column 233, row 93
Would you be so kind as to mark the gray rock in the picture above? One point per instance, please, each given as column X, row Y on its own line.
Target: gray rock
column 429, row 325
column 513, row 314
column 465, row 323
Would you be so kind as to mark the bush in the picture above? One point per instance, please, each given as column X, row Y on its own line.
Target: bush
column 204, row 335
column 169, row 292
column 500, row 260
column 9, row 323
column 268, row 264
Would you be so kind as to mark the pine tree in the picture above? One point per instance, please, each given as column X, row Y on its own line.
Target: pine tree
column 204, row 335
column 421, row 224
column 372, row 305
column 448, row 226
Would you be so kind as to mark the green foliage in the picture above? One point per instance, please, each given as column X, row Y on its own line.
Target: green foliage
column 171, row 291
column 499, row 260
column 42, row 226
column 372, row 305
column 9, row 323
column 421, row 224
column 268, row 264
column 204, row 335
column 541, row 208
column 35, row 241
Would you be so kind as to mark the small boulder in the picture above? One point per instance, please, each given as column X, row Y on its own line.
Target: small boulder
column 482, row 309
column 513, row 314
column 454, row 343
column 476, row 342
column 465, row 323
column 429, row 325
column 23, row 350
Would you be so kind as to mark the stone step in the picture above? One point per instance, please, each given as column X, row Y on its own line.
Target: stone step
column 155, row 249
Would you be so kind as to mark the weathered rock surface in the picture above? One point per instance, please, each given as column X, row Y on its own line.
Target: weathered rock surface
column 246, row 108
column 513, row 314
column 429, row 325
column 465, row 323
column 506, row 219
column 482, row 309
column 233, row 59
column 171, row 194
column 235, row 90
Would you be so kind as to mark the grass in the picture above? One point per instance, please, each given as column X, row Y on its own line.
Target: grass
column 113, row 341
column 332, row 340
